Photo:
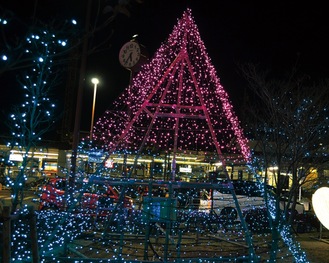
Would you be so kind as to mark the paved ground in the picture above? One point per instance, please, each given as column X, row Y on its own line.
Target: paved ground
column 31, row 198
column 316, row 248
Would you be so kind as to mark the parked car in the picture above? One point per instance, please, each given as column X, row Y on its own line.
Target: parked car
column 249, row 197
column 93, row 196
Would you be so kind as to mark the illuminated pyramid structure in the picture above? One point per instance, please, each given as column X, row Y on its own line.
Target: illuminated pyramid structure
column 176, row 103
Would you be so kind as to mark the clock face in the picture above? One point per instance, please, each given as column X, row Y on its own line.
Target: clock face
column 129, row 54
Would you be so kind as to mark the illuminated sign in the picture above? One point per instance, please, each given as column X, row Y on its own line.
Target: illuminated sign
column 185, row 169
column 15, row 157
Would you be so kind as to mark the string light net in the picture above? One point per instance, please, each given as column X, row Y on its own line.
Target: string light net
column 175, row 103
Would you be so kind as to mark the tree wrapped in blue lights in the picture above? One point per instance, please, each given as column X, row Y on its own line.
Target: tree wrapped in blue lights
column 290, row 129
column 33, row 118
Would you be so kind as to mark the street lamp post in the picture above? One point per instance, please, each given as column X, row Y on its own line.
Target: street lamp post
column 95, row 81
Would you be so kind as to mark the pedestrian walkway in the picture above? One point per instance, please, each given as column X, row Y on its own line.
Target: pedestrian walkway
column 316, row 249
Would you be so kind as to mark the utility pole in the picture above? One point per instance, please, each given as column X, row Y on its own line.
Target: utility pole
column 77, row 120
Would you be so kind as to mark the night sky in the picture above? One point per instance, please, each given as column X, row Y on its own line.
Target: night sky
column 274, row 34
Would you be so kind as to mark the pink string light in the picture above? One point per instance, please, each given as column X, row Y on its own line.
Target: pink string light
column 176, row 102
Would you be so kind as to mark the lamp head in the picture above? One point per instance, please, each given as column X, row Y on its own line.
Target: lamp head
column 95, row 81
